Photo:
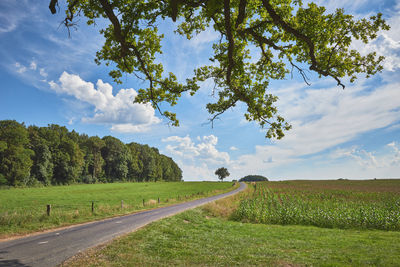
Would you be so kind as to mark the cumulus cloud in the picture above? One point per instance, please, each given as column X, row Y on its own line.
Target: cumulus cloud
column 198, row 158
column 233, row 148
column 204, row 150
column 197, row 172
column 118, row 110
column 20, row 68
column 33, row 65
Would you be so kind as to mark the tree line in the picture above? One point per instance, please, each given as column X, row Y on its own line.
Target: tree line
column 253, row 178
column 53, row 155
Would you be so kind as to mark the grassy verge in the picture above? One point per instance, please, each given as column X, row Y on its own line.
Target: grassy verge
column 195, row 238
column 24, row 210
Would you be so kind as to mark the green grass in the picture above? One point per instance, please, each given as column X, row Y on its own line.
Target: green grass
column 335, row 204
column 23, row 210
column 194, row 238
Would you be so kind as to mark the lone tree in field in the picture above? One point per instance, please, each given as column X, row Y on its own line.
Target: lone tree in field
column 222, row 173
column 288, row 36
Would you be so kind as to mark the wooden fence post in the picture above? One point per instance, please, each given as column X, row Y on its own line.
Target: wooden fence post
column 92, row 206
column 143, row 202
column 158, row 200
column 122, row 204
column 48, row 209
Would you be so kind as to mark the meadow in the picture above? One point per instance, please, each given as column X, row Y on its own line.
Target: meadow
column 24, row 210
column 373, row 204
column 215, row 234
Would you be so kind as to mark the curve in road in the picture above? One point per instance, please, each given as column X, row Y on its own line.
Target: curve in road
column 53, row 248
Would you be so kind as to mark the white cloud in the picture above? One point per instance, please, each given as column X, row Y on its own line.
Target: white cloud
column 362, row 157
column 387, row 44
column 203, row 151
column 20, row 68
column 369, row 159
column 33, row 65
column 43, row 73
column 233, row 148
column 198, row 159
column 197, row 172
column 396, row 157
column 328, row 117
column 119, row 111
column 205, row 37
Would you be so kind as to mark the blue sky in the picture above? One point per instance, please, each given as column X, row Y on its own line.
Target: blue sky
column 47, row 78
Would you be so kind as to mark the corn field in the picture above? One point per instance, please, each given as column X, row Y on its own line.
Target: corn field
column 321, row 207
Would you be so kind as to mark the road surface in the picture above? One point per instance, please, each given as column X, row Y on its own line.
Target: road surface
column 53, row 248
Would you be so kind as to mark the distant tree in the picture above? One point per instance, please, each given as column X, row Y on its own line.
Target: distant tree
column 222, row 173
column 253, row 178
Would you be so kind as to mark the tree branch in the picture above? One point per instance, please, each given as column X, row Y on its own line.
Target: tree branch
column 314, row 64
column 52, row 6
column 242, row 12
column 227, row 14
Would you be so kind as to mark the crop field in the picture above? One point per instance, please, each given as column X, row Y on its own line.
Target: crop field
column 24, row 210
column 373, row 204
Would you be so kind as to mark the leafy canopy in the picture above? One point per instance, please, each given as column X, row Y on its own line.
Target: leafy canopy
column 222, row 173
column 288, row 35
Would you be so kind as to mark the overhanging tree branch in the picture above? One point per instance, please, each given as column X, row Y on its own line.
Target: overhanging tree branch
column 314, row 64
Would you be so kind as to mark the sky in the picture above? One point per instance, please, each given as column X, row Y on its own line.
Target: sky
column 47, row 77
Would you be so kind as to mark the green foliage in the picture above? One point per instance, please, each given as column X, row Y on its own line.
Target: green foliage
column 53, row 155
column 95, row 161
column 115, row 155
column 287, row 34
column 253, row 178
column 222, row 173
column 15, row 156
column 324, row 208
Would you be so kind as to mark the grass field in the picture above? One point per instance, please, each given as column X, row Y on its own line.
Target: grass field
column 212, row 236
column 23, row 210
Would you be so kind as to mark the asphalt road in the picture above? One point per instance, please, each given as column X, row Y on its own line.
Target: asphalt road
column 53, row 248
